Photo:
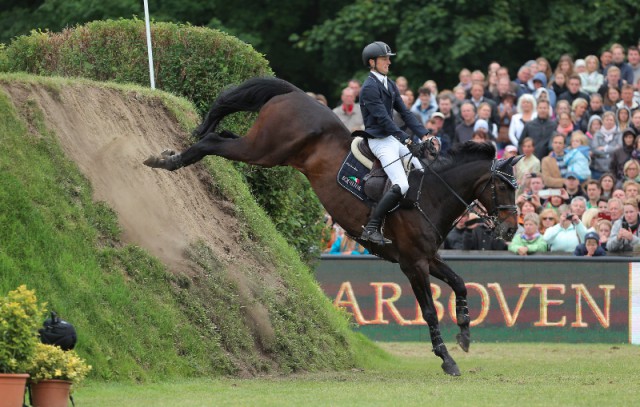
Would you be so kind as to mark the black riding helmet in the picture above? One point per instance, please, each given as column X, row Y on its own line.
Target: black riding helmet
column 375, row 50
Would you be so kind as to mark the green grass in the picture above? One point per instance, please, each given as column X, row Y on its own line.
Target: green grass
column 136, row 321
column 492, row 375
column 52, row 230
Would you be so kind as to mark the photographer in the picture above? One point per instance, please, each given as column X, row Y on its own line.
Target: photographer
column 478, row 236
column 530, row 183
column 554, row 199
column 530, row 195
column 566, row 235
column 455, row 238
column 624, row 234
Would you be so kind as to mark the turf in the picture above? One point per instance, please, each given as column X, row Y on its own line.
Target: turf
column 542, row 374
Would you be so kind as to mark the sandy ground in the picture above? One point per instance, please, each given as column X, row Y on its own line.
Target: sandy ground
column 108, row 135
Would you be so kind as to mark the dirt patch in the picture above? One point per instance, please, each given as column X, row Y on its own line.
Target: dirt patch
column 108, row 134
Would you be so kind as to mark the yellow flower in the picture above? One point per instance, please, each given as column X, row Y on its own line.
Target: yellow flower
column 58, row 373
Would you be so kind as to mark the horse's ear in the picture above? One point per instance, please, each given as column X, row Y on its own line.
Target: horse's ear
column 504, row 163
column 514, row 160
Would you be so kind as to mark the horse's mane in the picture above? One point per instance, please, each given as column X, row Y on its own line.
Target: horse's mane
column 464, row 153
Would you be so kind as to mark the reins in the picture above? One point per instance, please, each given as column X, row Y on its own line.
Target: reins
column 491, row 220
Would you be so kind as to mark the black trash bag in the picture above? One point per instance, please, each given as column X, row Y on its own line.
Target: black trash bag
column 58, row 332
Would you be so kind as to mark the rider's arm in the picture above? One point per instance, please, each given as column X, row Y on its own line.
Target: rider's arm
column 408, row 117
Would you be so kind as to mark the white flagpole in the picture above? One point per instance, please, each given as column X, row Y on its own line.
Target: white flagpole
column 149, row 49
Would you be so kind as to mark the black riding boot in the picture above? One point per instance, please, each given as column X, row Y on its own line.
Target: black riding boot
column 372, row 231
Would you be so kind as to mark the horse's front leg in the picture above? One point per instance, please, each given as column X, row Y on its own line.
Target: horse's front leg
column 418, row 275
column 443, row 272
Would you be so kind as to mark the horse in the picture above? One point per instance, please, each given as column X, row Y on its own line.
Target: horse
column 293, row 129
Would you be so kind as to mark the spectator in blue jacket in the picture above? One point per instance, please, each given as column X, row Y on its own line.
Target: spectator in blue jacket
column 540, row 81
column 591, row 246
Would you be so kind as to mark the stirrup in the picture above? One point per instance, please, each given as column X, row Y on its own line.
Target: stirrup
column 374, row 236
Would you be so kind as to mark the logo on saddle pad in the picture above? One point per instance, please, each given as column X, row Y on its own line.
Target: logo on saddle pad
column 353, row 182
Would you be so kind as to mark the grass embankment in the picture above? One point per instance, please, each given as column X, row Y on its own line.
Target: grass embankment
column 135, row 320
column 492, row 375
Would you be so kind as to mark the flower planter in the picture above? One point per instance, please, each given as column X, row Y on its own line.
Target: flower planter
column 12, row 387
column 50, row 393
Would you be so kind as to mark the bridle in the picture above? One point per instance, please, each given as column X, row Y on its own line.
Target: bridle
column 492, row 219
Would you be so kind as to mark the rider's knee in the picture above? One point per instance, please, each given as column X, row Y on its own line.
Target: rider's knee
column 403, row 187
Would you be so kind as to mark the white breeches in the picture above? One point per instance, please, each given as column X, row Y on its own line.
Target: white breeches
column 389, row 150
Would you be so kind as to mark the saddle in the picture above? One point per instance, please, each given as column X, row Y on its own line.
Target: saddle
column 376, row 182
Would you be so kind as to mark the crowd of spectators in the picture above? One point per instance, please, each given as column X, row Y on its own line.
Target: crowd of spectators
column 578, row 128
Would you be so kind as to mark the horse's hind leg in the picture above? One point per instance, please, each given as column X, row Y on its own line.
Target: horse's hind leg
column 225, row 144
column 443, row 272
column 418, row 275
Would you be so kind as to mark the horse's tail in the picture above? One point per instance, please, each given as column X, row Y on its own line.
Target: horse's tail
column 249, row 96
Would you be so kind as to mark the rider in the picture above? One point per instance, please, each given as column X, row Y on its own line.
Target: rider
column 378, row 98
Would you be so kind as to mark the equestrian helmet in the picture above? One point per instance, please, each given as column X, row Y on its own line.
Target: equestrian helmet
column 375, row 50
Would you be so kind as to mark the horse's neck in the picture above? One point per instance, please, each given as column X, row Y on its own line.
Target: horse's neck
column 465, row 180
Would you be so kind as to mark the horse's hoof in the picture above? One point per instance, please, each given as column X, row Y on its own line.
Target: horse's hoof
column 451, row 368
column 156, row 162
column 153, row 162
column 168, row 160
column 463, row 341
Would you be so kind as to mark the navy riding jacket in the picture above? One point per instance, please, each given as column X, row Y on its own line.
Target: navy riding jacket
column 377, row 105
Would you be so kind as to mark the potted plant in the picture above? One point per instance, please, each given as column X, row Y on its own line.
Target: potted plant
column 20, row 315
column 53, row 371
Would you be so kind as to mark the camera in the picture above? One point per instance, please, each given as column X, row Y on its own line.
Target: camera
column 533, row 175
column 569, row 215
column 528, row 197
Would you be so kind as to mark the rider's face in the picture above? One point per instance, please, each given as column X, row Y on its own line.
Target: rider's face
column 382, row 64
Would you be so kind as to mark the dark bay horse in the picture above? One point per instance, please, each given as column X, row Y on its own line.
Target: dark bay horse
column 294, row 129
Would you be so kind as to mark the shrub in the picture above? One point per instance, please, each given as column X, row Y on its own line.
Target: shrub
column 193, row 62
column 20, row 316
column 51, row 362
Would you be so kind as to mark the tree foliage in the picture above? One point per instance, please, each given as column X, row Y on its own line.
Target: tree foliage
column 434, row 39
column 317, row 44
column 266, row 25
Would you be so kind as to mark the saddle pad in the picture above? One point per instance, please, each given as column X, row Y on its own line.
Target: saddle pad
column 350, row 176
